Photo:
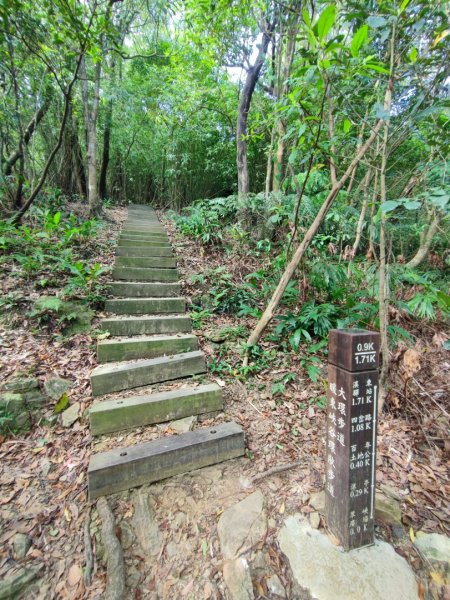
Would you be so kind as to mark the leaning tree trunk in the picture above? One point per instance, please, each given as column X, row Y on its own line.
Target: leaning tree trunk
column 244, row 106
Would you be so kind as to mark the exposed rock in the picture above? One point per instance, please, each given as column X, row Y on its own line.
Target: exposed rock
column 183, row 425
column 236, row 574
column 387, row 509
column 434, row 546
column 126, row 535
column 12, row 586
column 14, row 411
column 21, row 384
column 259, row 563
column 21, row 544
column 70, row 415
column 171, row 549
column 216, row 335
column 317, row 501
column 242, row 525
column 373, row 573
column 56, row 387
column 314, row 519
column 276, row 587
column 145, row 525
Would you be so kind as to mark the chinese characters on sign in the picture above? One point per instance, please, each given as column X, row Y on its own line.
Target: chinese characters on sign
column 351, row 435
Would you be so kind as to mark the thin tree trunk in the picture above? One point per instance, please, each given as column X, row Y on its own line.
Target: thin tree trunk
column 11, row 160
column 67, row 99
column 91, row 113
column 362, row 214
column 269, row 162
column 383, row 268
column 309, row 235
column 244, row 106
column 425, row 245
column 107, row 138
column 333, row 170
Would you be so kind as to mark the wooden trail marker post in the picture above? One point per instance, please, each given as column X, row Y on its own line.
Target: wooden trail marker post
column 352, row 435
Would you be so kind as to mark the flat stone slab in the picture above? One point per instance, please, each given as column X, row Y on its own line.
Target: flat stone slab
column 434, row 546
column 139, row 274
column 162, row 262
column 145, row 306
column 133, row 289
column 125, row 413
column 145, row 347
column 373, row 573
column 116, row 377
column 126, row 468
column 242, row 526
column 125, row 326
column 144, row 251
column 145, row 242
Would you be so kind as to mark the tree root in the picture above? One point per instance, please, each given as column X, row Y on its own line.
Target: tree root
column 89, row 557
column 115, row 568
column 276, row 470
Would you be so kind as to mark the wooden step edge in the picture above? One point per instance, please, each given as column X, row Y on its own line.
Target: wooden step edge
column 109, row 416
column 126, row 468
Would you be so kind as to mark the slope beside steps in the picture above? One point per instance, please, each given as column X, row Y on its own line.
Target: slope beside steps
column 151, row 342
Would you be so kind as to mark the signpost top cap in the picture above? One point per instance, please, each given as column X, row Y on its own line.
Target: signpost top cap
column 354, row 349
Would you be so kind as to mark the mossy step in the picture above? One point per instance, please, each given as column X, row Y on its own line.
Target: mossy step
column 157, row 235
column 134, row 289
column 125, row 326
column 145, row 306
column 162, row 262
column 116, row 377
column 143, row 243
column 130, row 229
column 139, row 274
column 126, row 468
column 145, row 347
column 144, row 251
column 108, row 416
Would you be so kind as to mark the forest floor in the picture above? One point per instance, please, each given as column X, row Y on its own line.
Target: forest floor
column 43, row 472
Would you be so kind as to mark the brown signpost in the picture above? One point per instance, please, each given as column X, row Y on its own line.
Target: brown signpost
column 352, row 435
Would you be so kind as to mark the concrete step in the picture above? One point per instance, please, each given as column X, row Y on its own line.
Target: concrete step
column 133, row 289
column 161, row 262
column 126, row 242
column 108, row 416
column 126, row 468
column 125, row 326
column 145, row 346
column 144, row 251
column 145, row 306
column 116, row 377
column 139, row 274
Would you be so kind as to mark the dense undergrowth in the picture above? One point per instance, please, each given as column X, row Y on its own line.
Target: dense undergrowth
column 50, row 273
column 330, row 288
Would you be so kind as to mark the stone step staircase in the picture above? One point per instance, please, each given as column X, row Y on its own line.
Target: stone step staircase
column 151, row 343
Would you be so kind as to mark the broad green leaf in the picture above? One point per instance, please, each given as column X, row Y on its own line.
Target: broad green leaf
column 376, row 22
column 403, row 5
column 306, row 17
column 347, row 125
column 358, row 40
column 444, row 300
column 325, row 22
column 413, row 55
column 389, row 206
column 376, row 67
column 412, row 205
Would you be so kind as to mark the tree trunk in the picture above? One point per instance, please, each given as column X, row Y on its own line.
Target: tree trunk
column 91, row 114
column 425, row 245
column 107, row 137
column 269, row 162
column 11, row 160
column 244, row 106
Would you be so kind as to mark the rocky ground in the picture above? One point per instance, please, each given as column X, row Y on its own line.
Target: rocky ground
column 223, row 531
